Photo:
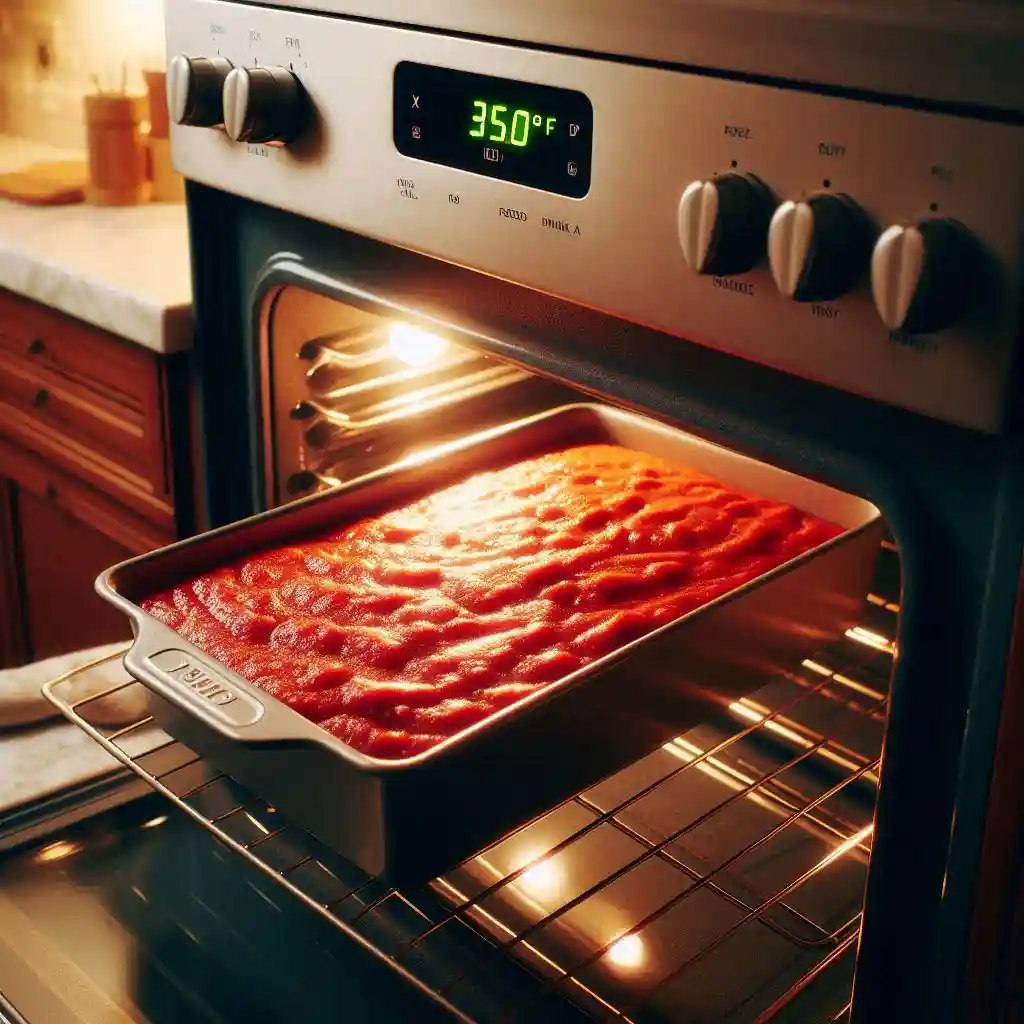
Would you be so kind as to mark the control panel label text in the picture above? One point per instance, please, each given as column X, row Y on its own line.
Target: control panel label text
column 917, row 342
column 824, row 311
column 738, row 131
column 560, row 225
column 730, row 284
column 507, row 211
column 406, row 188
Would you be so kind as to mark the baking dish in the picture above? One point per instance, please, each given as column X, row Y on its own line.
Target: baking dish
column 409, row 820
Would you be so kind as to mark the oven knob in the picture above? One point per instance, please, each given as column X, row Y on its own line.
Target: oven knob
column 922, row 274
column 195, row 90
column 819, row 247
column 722, row 224
column 265, row 105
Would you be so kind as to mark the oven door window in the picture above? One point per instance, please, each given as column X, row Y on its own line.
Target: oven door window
column 141, row 916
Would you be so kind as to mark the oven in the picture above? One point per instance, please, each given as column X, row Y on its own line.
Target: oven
column 410, row 227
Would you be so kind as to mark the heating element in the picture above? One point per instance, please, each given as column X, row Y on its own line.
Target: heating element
column 719, row 878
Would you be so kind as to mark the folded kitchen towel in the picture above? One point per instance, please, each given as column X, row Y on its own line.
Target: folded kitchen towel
column 22, row 702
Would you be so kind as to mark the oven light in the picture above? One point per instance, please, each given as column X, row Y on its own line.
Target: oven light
column 627, row 951
column 155, row 822
column 413, row 346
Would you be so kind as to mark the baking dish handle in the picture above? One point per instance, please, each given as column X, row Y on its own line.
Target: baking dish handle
column 174, row 670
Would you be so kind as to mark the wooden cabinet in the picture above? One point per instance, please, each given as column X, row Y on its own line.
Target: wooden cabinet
column 60, row 559
column 94, row 468
column 11, row 631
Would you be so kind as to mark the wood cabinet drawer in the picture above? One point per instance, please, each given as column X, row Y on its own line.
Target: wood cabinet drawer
column 91, row 417
column 91, row 404
column 71, row 349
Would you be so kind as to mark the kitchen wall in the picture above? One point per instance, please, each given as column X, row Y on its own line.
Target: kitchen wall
column 53, row 51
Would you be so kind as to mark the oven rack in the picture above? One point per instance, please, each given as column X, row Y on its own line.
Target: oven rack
column 457, row 941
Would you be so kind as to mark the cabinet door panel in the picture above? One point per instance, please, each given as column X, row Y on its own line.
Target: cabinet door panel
column 61, row 558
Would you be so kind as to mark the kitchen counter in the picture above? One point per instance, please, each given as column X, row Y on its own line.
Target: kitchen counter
column 125, row 270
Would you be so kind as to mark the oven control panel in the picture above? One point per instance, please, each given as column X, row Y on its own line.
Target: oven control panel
column 871, row 248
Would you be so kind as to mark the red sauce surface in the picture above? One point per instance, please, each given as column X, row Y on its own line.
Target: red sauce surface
column 400, row 630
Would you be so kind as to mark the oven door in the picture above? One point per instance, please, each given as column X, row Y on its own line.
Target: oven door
column 140, row 915
column 744, row 870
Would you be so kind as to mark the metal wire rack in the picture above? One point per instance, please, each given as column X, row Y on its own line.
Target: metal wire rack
column 721, row 878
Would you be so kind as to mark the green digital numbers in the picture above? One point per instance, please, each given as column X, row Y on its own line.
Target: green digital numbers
column 516, row 132
column 479, row 119
column 497, row 109
column 520, row 128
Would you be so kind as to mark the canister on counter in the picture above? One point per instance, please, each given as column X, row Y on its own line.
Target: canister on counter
column 116, row 131
column 159, row 118
column 168, row 185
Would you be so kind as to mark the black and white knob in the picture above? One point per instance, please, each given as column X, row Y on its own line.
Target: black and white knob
column 195, row 90
column 723, row 222
column 819, row 247
column 922, row 274
column 264, row 105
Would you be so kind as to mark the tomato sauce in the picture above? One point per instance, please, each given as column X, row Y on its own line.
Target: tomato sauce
column 403, row 629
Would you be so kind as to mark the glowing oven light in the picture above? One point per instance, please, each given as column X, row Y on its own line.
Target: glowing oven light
column 413, row 346
column 627, row 951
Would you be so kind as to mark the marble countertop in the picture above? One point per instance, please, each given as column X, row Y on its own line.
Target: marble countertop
column 125, row 270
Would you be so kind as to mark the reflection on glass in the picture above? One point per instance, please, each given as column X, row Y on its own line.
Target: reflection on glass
column 627, row 951
column 57, row 851
column 544, row 879
column 414, row 346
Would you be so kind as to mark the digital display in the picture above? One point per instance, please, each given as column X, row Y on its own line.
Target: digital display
column 534, row 135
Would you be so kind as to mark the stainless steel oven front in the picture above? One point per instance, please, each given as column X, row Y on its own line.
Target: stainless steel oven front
column 408, row 226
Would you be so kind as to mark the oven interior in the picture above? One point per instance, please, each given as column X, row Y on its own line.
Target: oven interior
column 713, row 877
column 720, row 878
